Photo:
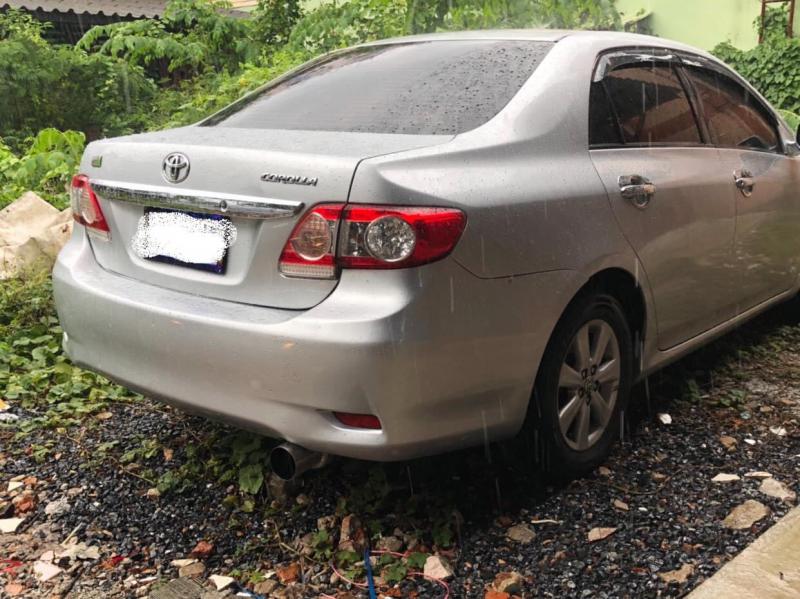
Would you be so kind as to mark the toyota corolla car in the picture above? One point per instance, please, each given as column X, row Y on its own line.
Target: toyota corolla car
column 432, row 242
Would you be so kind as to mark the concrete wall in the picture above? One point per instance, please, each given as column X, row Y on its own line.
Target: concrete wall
column 701, row 23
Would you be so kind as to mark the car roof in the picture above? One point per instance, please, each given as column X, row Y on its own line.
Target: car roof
column 607, row 39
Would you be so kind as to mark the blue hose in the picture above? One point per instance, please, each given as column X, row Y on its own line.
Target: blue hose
column 370, row 579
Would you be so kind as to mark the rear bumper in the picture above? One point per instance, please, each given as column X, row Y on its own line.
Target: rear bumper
column 443, row 358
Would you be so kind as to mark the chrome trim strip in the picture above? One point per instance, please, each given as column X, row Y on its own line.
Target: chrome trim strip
column 197, row 201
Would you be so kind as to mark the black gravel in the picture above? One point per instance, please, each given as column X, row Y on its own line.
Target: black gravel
column 661, row 471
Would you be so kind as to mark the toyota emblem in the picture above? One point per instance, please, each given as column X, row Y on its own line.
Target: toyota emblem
column 175, row 167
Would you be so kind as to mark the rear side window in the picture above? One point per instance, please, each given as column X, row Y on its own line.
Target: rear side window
column 424, row 88
column 735, row 118
column 651, row 105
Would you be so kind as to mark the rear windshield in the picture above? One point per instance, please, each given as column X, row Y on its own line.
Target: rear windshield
column 423, row 88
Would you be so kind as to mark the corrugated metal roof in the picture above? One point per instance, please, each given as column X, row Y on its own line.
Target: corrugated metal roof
column 122, row 8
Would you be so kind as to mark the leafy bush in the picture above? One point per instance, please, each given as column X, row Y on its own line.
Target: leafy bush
column 562, row 14
column 773, row 67
column 192, row 35
column 51, row 86
column 33, row 370
column 273, row 21
column 47, row 166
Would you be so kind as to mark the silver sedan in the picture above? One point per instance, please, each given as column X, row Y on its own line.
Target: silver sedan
column 427, row 243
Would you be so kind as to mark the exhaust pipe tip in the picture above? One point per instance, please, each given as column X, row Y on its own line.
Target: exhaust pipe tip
column 290, row 461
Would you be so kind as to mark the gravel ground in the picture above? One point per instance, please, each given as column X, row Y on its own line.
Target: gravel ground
column 655, row 491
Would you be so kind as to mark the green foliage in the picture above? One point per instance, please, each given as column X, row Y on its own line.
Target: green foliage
column 34, row 373
column 18, row 25
column 56, row 86
column 191, row 36
column 562, row 14
column 334, row 25
column 46, row 166
column 273, row 21
column 773, row 67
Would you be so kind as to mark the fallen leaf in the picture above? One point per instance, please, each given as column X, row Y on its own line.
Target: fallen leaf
column 3, row 405
column 680, row 575
column 290, row 573
column 168, row 454
column 103, row 415
column 598, row 534
column 202, row 550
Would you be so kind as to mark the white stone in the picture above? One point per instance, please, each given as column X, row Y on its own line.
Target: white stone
column 180, row 563
column 778, row 490
column 778, row 430
column 9, row 525
column 437, row 567
column 722, row 477
column 758, row 474
column 745, row 515
column 521, row 534
column 14, row 485
column 57, row 507
column 45, row 571
column 664, row 418
column 221, row 582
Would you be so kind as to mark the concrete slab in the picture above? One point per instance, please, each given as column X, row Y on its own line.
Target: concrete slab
column 767, row 569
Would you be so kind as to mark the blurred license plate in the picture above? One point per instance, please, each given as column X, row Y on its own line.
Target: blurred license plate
column 189, row 239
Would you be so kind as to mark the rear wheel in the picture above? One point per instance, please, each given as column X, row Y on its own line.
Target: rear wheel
column 582, row 387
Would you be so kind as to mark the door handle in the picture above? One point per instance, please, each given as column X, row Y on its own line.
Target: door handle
column 744, row 182
column 637, row 190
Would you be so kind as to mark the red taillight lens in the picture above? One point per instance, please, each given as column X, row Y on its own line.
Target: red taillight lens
column 309, row 252
column 358, row 420
column 85, row 207
column 378, row 237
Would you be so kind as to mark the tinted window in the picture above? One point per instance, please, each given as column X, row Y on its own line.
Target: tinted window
column 603, row 129
column 735, row 117
column 444, row 87
column 651, row 105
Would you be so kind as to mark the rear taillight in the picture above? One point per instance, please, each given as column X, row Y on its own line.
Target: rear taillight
column 360, row 236
column 86, row 209
column 367, row 421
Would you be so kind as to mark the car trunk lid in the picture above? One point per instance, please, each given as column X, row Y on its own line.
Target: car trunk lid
column 262, row 180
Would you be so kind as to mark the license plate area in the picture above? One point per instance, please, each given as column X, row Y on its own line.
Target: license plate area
column 188, row 239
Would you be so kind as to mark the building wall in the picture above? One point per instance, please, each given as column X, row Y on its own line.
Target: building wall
column 701, row 23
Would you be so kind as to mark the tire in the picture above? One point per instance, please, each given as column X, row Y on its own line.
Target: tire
column 555, row 420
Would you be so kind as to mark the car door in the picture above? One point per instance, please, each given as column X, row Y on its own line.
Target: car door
column 668, row 189
column 765, row 188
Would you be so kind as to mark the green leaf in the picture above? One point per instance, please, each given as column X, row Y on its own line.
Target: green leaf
column 251, row 477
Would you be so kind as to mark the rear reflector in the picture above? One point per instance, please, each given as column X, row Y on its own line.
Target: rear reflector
column 86, row 209
column 358, row 420
column 371, row 237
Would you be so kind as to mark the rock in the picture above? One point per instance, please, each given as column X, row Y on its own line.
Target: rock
column 45, row 571
column 774, row 488
column 103, row 415
column 47, row 556
column 80, row 551
column 265, row 587
column 9, row 525
column 680, row 575
column 302, row 500
column 195, row 570
column 621, row 505
column 57, row 508
column 351, row 535
column 153, row 493
column 598, row 534
column 390, row 543
column 725, row 478
column 658, row 477
column 180, row 563
column 202, row 550
column 758, row 474
column 6, row 509
column 728, row 443
column 287, row 574
column 508, row 582
column 745, row 515
column 664, row 418
column 14, row 485
column 220, row 582
column 604, row 471
column 7, row 416
column 521, row 534
column 14, row 589
column 492, row 594
column 437, row 567
column 750, row 441
column 778, row 430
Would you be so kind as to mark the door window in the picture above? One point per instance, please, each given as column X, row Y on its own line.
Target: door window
column 735, row 118
column 651, row 106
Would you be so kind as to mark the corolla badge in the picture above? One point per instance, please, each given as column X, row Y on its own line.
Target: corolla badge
column 175, row 167
column 289, row 179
